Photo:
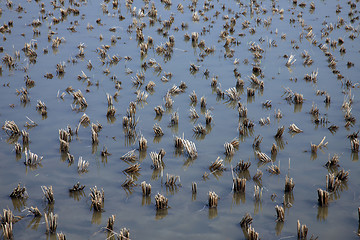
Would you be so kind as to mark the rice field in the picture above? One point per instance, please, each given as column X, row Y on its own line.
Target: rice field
column 179, row 119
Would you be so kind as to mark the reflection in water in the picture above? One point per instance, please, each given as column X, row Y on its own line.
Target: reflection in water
column 293, row 134
column 51, row 236
column 250, row 99
column 111, row 235
column 156, row 174
column 146, row 200
column 34, row 223
column 354, row 156
column 334, row 195
column 157, row 139
column 104, row 159
column 343, row 186
column 260, row 164
column 258, row 182
column 260, row 91
column 231, row 104
column 280, row 143
column 228, row 158
column 217, row 174
column 213, row 213
column 199, row 136
column 239, row 197
column 297, row 107
column 142, row 155
column 193, row 197
column 32, row 167
column 12, row 139
column 161, row 213
column 242, row 133
column 193, row 120
column 188, row 162
column 278, row 227
column 322, row 213
column 63, row 156
column 158, row 118
column 333, row 169
column 43, row 117
column 178, row 152
column 202, row 110
column 94, row 147
column 111, row 119
column 171, row 189
column 327, row 105
column 18, row 157
column 244, row 174
column 77, row 195
column 129, row 140
column 96, row 217
column 273, row 157
column 168, row 110
column 288, row 200
column 128, row 190
column 313, row 156
column 49, row 208
column 208, row 128
column 218, row 97
column 257, row 206
column 174, row 128
column 18, row 203
column 240, row 89
column 134, row 176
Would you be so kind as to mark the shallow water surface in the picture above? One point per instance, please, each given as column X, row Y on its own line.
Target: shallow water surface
column 278, row 29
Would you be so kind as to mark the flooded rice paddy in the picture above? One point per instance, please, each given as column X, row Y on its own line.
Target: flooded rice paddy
column 224, row 78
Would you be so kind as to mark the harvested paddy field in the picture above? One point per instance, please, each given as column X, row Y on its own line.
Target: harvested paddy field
column 179, row 119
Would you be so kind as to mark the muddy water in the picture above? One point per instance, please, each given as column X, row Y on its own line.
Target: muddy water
column 188, row 215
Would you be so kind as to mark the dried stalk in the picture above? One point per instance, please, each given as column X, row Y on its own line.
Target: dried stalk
column 82, row 166
column 190, row 148
column 142, row 143
column 262, row 157
column 51, row 222
column 171, row 180
column 280, row 213
column 280, row 132
column 314, row 147
column 242, row 166
column 19, row 192
column 146, row 188
column 110, row 223
column 289, row 184
column 194, row 187
column 246, row 221
column 257, row 193
column 97, row 198
column 293, row 128
column 323, row 197
column 161, row 202
column 217, row 165
column 239, row 184
column 302, row 230
column 129, row 156
column 133, row 169
column 158, row 130
column 213, row 199
column 273, row 169
column 48, row 193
